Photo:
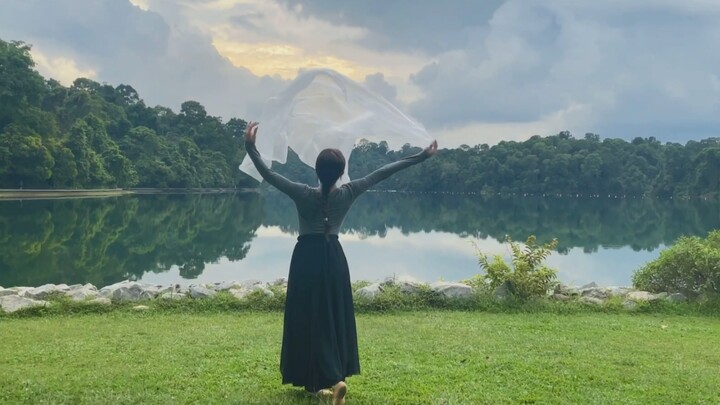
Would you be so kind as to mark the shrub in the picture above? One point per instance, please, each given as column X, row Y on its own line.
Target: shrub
column 691, row 267
column 528, row 277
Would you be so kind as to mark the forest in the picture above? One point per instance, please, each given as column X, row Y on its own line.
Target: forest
column 94, row 135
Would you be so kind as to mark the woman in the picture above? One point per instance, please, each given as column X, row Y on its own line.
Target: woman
column 319, row 347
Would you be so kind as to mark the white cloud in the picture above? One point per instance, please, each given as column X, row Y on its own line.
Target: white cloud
column 63, row 69
column 166, row 61
column 470, row 71
column 638, row 69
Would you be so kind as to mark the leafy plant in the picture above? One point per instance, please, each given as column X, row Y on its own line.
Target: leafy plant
column 526, row 276
column 691, row 267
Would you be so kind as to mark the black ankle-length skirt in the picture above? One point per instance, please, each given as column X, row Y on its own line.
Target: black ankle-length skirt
column 319, row 346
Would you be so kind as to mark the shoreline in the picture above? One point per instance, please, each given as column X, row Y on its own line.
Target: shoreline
column 42, row 194
column 388, row 294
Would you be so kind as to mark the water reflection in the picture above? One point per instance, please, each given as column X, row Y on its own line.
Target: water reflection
column 102, row 241
column 204, row 238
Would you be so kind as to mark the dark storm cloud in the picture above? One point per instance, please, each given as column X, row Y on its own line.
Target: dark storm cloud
column 431, row 26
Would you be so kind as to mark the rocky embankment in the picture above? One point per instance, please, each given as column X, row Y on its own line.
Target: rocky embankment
column 16, row 298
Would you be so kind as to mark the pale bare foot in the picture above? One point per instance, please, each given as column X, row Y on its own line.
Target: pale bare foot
column 339, row 392
column 326, row 393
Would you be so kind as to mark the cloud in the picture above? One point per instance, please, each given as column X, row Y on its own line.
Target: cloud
column 469, row 70
column 166, row 62
column 62, row 69
column 377, row 84
column 620, row 70
column 405, row 25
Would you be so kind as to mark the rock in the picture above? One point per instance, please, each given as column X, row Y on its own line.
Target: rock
column 42, row 292
column 249, row 284
column 174, row 289
column 370, row 291
column 169, row 295
column 452, row 290
column 589, row 285
column 141, row 307
column 630, row 305
column 675, row 297
column 661, row 296
column 618, row 291
column 389, row 281
column 62, row 287
column 560, row 297
column 227, row 285
column 198, row 291
column 82, row 292
column 129, row 291
column 566, row 290
column 408, row 287
column 591, row 300
column 594, row 292
column 242, row 293
column 281, row 282
column 502, row 292
column 5, row 293
column 12, row 303
column 640, row 296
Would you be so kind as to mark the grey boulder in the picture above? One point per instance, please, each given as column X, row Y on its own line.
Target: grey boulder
column 12, row 303
column 452, row 290
column 198, row 291
column 371, row 291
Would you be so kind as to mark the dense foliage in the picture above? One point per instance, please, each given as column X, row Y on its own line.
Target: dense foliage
column 691, row 266
column 92, row 135
column 526, row 276
column 95, row 135
column 555, row 165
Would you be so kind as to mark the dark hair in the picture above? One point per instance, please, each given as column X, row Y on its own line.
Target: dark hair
column 329, row 166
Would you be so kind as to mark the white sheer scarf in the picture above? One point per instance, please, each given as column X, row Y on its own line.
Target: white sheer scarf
column 323, row 109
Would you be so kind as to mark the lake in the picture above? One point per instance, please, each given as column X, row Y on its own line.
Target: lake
column 190, row 238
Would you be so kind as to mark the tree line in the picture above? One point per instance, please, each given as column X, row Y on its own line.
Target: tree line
column 92, row 135
column 554, row 165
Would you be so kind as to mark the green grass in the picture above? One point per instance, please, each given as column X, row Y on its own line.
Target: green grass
column 418, row 357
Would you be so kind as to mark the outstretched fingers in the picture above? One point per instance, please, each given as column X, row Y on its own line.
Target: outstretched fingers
column 432, row 149
column 251, row 131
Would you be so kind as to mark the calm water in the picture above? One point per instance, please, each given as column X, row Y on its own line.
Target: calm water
column 207, row 238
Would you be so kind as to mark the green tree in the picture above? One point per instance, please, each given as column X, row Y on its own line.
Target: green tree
column 24, row 159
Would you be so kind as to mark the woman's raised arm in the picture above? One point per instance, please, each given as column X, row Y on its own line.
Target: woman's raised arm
column 359, row 186
column 288, row 187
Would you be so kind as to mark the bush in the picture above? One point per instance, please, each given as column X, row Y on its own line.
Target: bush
column 528, row 277
column 691, row 267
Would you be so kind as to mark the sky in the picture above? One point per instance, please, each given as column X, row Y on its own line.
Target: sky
column 421, row 256
column 471, row 71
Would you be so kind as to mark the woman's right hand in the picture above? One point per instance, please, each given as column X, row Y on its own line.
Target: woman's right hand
column 251, row 132
column 432, row 149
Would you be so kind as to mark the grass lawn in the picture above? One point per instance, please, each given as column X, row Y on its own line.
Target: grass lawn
column 417, row 357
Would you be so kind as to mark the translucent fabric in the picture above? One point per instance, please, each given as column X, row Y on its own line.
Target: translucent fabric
column 323, row 109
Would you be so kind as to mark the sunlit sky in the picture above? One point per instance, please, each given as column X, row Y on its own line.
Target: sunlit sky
column 471, row 71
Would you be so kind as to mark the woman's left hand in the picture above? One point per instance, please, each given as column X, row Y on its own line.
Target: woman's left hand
column 432, row 149
column 251, row 132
